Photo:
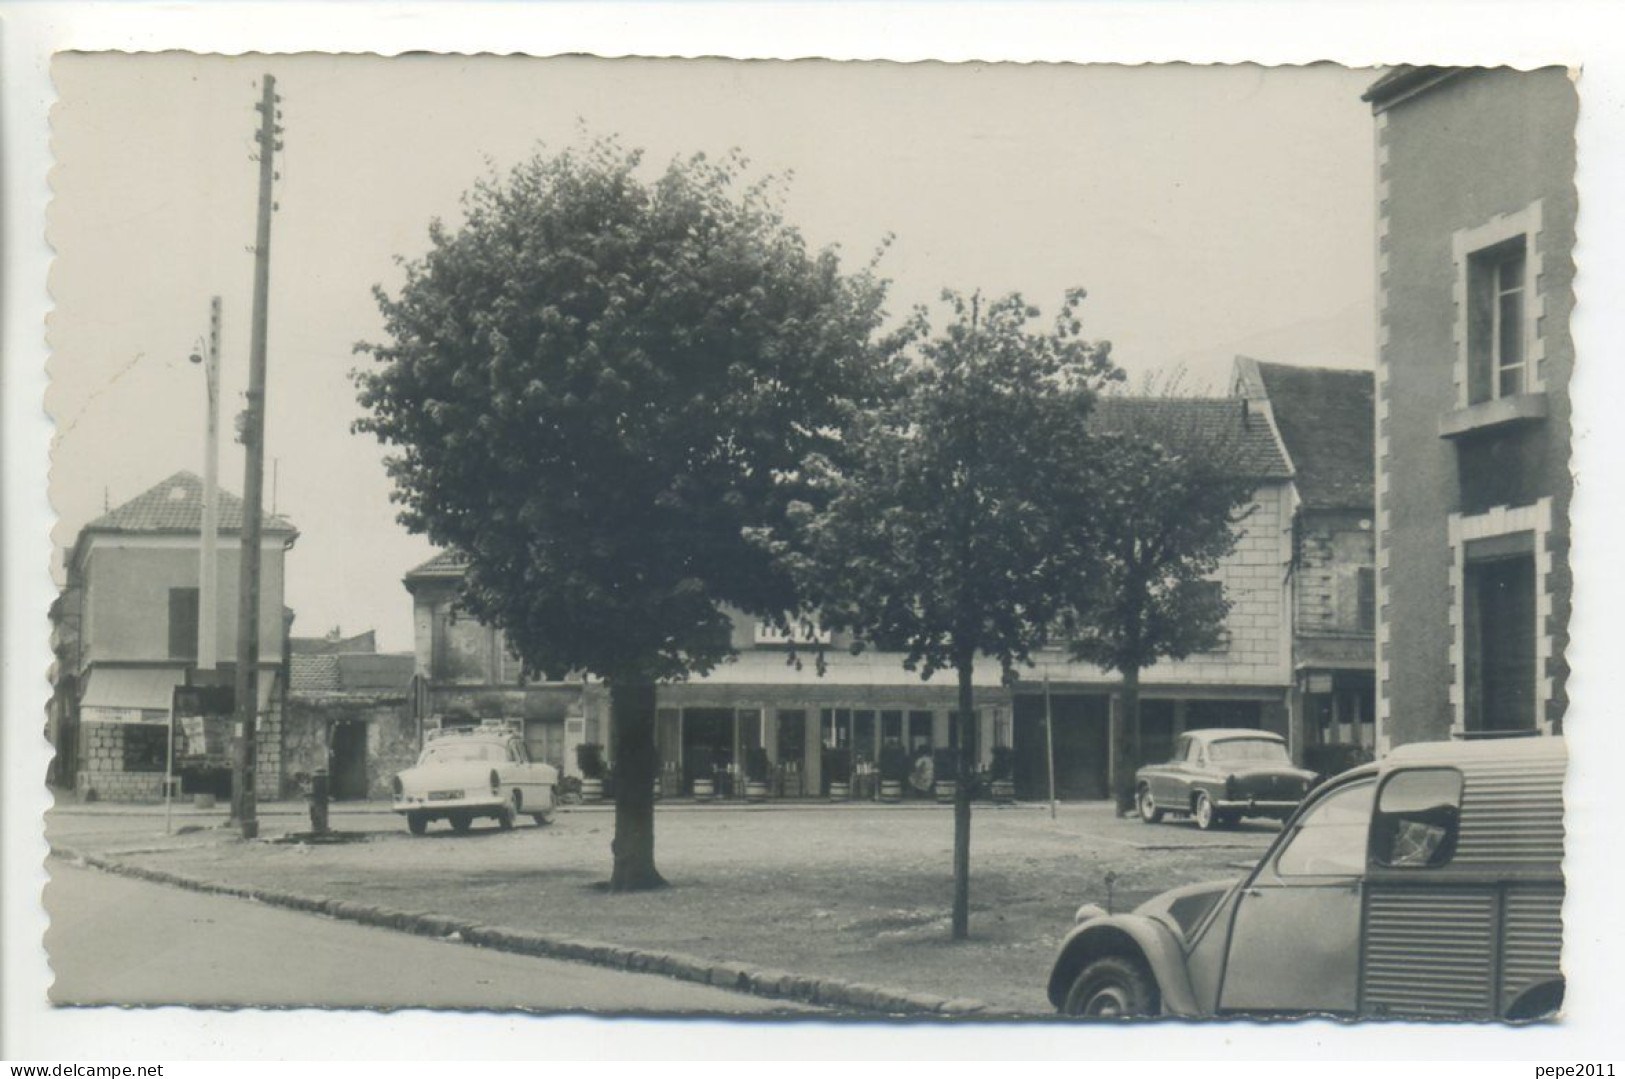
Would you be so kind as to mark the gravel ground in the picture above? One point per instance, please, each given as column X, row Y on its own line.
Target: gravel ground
column 852, row 892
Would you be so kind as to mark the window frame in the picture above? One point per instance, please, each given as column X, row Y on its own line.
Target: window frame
column 189, row 645
column 1487, row 247
column 1445, row 852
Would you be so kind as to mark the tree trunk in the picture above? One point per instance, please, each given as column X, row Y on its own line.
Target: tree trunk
column 1126, row 739
column 966, row 720
column 632, row 714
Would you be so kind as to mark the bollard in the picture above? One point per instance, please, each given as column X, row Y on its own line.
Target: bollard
column 318, row 802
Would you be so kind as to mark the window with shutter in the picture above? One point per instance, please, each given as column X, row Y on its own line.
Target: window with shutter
column 183, row 619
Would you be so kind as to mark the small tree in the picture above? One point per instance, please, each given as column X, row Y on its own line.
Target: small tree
column 941, row 537
column 598, row 388
column 1173, row 478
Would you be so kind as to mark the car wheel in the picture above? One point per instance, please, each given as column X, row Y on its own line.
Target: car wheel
column 1147, row 805
column 509, row 813
column 417, row 823
column 1202, row 811
column 546, row 815
column 1113, row 987
column 461, row 823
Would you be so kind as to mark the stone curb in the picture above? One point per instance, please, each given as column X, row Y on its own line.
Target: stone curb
column 836, row 993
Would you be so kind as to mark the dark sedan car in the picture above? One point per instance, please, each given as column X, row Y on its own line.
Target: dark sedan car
column 1219, row 776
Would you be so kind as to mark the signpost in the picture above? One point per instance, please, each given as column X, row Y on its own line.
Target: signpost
column 205, row 714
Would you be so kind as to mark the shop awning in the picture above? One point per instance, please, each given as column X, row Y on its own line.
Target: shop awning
column 148, row 688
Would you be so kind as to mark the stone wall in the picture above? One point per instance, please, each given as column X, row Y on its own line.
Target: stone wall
column 307, row 735
column 107, row 752
column 124, row 762
column 1332, row 549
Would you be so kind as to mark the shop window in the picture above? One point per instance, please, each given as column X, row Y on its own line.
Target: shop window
column 145, row 745
column 863, row 735
column 1497, row 323
column 919, row 733
column 183, row 622
column 1417, row 817
column 792, row 730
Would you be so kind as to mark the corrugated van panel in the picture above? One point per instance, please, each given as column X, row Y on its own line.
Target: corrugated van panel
column 1512, row 814
column 1534, row 938
column 1429, row 952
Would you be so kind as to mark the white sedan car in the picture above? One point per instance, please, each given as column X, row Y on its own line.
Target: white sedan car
column 468, row 772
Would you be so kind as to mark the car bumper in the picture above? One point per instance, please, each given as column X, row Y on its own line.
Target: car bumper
column 439, row 807
column 1254, row 805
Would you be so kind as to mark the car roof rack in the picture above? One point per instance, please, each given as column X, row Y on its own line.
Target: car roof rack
column 1484, row 736
column 485, row 728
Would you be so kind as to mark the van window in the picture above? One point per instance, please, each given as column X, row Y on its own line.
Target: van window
column 1330, row 840
column 1418, row 814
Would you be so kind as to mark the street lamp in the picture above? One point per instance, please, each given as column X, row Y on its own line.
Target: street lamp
column 207, row 355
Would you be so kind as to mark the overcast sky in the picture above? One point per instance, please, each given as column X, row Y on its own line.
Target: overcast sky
column 1208, row 211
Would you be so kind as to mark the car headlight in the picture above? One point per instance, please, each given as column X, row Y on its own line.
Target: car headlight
column 397, row 786
column 496, row 782
column 1230, row 787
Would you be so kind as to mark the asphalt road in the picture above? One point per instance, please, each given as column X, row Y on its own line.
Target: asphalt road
column 114, row 940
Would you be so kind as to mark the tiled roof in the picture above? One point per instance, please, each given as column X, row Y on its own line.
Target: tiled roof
column 314, row 674
column 444, row 564
column 176, row 505
column 1224, row 421
column 359, row 673
column 1326, row 418
column 387, row 672
column 326, row 646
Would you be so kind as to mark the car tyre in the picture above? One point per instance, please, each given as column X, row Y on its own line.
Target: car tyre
column 417, row 823
column 1113, row 987
column 1147, row 805
column 1203, row 813
column 461, row 823
column 509, row 814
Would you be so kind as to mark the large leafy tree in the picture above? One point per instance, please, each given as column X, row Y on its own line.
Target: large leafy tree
column 1173, row 482
column 943, row 532
column 599, row 388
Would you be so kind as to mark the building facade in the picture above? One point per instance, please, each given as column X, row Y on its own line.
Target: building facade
column 810, row 724
column 352, row 712
column 1325, row 420
column 1475, row 231
column 465, row 671
column 128, row 624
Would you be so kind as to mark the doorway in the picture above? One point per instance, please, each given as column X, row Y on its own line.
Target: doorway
column 1082, row 753
column 708, row 736
column 348, row 768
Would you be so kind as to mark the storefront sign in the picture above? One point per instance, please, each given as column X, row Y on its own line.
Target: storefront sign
column 100, row 714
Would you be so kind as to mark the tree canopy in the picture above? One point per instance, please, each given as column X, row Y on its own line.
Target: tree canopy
column 597, row 385
column 1172, row 485
column 944, row 531
column 601, row 389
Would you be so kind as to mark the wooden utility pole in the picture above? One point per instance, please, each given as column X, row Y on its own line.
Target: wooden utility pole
column 244, row 803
